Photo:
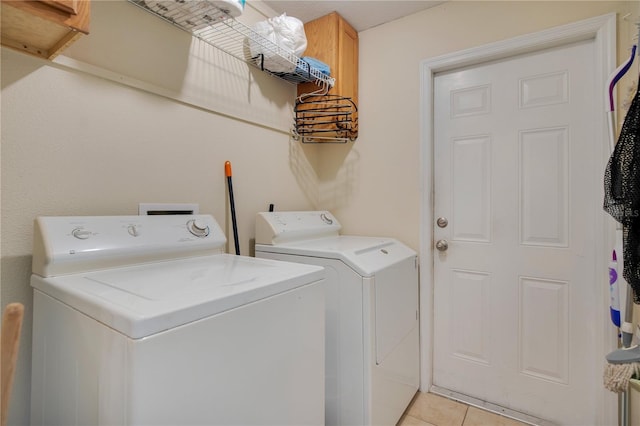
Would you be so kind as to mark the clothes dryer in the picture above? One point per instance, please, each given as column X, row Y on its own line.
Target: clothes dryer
column 372, row 342
column 143, row 320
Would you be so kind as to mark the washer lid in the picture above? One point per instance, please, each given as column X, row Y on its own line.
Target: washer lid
column 366, row 255
column 142, row 300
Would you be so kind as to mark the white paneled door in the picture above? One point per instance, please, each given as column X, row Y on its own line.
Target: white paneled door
column 514, row 290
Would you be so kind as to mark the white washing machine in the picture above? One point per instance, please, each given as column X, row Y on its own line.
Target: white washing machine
column 143, row 320
column 372, row 345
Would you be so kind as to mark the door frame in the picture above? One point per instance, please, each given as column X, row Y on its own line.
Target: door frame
column 601, row 29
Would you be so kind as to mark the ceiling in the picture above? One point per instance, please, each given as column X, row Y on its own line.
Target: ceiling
column 361, row 14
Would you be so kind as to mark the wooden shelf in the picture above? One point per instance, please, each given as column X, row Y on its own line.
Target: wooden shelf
column 44, row 28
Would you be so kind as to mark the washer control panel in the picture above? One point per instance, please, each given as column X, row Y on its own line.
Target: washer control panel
column 81, row 243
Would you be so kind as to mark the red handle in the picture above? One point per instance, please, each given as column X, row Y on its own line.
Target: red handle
column 227, row 168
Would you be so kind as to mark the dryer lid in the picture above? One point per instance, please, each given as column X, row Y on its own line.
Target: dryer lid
column 142, row 300
column 365, row 255
column 316, row 234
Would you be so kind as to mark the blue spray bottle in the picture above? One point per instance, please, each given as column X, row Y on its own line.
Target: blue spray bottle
column 613, row 290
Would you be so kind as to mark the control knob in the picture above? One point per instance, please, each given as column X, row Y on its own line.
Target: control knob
column 198, row 227
column 81, row 233
column 326, row 219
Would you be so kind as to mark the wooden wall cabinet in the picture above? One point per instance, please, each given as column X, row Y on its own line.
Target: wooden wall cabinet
column 330, row 118
column 44, row 28
column 333, row 40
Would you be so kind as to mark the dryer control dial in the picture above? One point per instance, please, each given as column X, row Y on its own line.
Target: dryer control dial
column 81, row 233
column 133, row 230
column 326, row 219
column 198, row 228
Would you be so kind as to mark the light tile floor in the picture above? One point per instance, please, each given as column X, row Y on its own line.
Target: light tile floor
column 428, row 409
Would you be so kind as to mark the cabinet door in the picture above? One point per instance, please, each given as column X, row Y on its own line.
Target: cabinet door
column 347, row 85
column 333, row 41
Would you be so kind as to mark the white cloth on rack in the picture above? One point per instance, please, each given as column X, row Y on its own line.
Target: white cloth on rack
column 277, row 43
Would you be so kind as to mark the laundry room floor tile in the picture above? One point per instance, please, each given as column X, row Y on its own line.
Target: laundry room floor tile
column 437, row 410
column 478, row 417
column 429, row 409
column 412, row 421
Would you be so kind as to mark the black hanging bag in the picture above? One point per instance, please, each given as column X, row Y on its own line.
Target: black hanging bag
column 622, row 193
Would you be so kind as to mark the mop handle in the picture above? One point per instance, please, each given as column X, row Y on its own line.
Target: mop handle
column 227, row 172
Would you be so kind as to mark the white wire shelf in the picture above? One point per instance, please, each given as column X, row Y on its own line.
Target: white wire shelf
column 214, row 26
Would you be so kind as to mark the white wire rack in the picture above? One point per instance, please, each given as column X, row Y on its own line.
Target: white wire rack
column 214, row 26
